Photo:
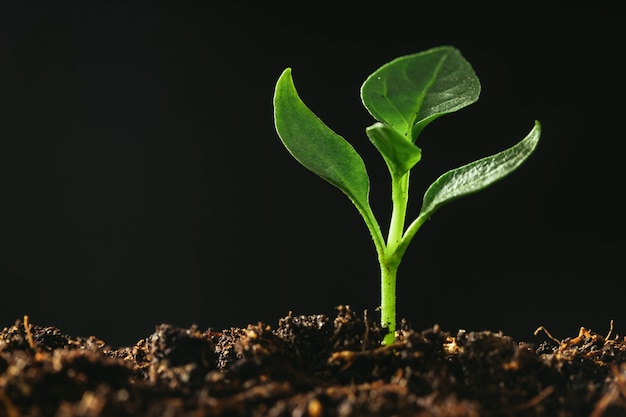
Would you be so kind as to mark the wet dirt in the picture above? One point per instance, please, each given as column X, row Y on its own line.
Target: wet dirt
column 310, row 366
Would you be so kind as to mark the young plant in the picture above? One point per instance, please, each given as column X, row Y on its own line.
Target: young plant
column 404, row 96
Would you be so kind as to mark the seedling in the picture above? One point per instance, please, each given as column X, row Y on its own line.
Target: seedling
column 404, row 96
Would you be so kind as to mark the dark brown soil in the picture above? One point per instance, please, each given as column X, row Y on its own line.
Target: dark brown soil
column 310, row 366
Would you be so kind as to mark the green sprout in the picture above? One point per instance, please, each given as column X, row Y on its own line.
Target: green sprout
column 404, row 96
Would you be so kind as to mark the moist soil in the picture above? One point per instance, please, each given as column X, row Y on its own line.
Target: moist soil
column 310, row 366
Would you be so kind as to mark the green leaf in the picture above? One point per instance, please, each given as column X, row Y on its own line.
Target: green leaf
column 316, row 146
column 399, row 154
column 479, row 174
column 411, row 91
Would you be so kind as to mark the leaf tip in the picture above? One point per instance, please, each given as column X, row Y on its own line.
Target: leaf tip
column 286, row 73
column 537, row 132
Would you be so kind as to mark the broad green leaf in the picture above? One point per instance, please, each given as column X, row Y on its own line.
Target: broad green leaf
column 399, row 154
column 479, row 174
column 316, row 146
column 412, row 91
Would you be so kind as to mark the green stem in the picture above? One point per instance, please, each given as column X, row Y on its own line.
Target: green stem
column 390, row 261
column 388, row 271
column 399, row 197
column 388, row 274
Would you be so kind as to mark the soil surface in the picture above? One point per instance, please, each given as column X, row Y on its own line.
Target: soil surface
column 310, row 366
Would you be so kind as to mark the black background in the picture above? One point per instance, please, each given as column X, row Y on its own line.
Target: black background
column 142, row 181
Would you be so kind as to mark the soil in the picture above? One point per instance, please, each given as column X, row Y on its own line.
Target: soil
column 310, row 366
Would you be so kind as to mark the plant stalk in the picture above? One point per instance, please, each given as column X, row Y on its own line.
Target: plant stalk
column 399, row 198
column 388, row 274
column 390, row 261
